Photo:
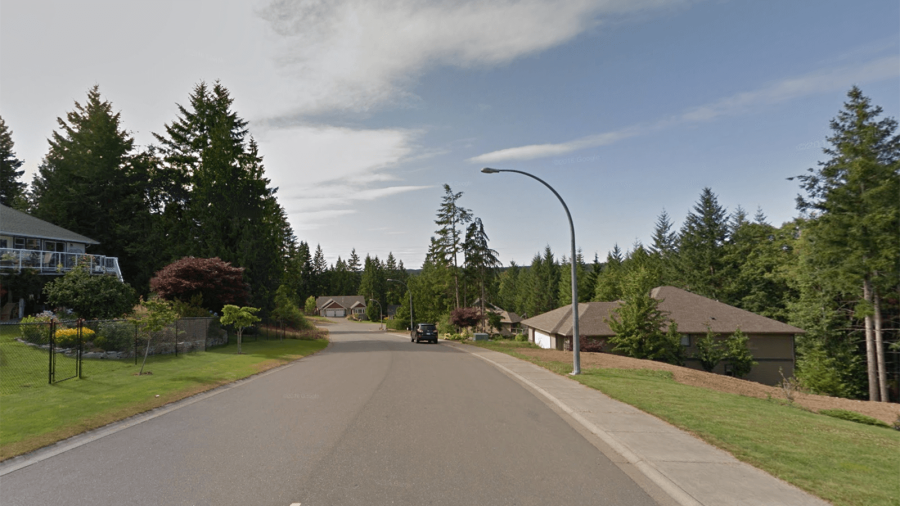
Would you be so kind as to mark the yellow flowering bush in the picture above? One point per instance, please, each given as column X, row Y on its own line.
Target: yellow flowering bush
column 68, row 338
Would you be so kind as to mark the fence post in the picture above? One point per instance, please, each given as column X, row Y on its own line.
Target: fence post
column 176, row 338
column 50, row 340
column 80, row 347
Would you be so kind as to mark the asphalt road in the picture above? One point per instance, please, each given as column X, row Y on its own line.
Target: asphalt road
column 374, row 419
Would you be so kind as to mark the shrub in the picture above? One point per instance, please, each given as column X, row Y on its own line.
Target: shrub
column 115, row 336
column 310, row 305
column 68, row 338
column 709, row 351
column 465, row 317
column 591, row 345
column 737, row 354
column 521, row 338
column 90, row 296
column 36, row 329
column 853, row 416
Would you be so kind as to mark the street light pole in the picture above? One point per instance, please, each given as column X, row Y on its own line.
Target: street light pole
column 576, row 341
column 411, row 325
column 380, row 312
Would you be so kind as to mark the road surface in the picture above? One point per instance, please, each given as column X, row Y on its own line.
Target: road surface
column 374, row 419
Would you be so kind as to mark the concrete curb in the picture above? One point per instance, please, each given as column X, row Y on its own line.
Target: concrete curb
column 690, row 471
column 647, row 468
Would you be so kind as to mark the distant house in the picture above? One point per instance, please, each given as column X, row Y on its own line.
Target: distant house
column 29, row 243
column 771, row 342
column 341, row 306
column 392, row 310
column 509, row 321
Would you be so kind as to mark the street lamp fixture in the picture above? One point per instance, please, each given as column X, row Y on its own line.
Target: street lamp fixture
column 576, row 341
column 410, row 301
column 380, row 314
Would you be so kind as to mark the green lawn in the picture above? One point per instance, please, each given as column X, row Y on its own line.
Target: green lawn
column 34, row 414
column 844, row 462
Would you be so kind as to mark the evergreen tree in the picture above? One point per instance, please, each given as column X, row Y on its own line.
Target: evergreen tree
column 542, row 288
column 450, row 217
column 642, row 330
column 608, row 286
column 851, row 200
column 508, row 293
column 12, row 190
column 91, row 182
column 230, row 209
column 481, row 260
column 565, row 282
column 320, row 272
column 701, row 247
column 373, row 286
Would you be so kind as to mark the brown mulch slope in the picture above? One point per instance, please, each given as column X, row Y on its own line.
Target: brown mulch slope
column 884, row 411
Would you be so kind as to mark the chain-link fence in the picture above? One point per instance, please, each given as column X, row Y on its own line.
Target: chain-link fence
column 40, row 353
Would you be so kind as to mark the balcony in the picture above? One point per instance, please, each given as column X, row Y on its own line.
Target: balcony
column 49, row 262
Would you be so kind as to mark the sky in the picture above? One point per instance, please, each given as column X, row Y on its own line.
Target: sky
column 365, row 110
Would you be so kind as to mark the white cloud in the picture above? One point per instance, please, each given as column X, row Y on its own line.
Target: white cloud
column 322, row 171
column 817, row 82
column 354, row 55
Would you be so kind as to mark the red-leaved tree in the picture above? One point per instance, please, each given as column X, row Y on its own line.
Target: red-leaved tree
column 216, row 281
column 465, row 317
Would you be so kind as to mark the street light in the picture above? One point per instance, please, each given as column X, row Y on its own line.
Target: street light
column 576, row 342
column 380, row 318
column 410, row 301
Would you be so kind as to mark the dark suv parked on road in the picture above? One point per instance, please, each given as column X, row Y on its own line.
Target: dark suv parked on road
column 424, row 332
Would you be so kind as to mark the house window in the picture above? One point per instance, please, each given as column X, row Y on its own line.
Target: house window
column 54, row 246
column 685, row 339
column 19, row 243
column 32, row 244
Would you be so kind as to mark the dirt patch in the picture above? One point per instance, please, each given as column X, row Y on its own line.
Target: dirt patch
column 884, row 411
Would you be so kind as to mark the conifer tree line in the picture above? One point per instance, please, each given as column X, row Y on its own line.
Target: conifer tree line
column 834, row 270
column 199, row 191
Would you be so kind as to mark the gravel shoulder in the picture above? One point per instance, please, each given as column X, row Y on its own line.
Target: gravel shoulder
column 884, row 411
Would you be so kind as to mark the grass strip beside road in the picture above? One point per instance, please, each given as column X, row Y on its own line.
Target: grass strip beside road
column 42, row 414
column 847, row 463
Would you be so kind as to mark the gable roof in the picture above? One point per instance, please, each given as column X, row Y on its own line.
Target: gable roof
column 13, row 222
column 505, row 316
column 344, row 301
column 693, row 312
column 690, row 311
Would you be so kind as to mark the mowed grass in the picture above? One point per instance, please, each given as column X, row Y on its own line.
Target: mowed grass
column 840, row 461
column 39, row 414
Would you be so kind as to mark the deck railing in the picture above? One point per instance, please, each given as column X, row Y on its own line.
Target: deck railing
column 51, row 262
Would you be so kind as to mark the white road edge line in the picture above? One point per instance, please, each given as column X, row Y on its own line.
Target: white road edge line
column 668, row 486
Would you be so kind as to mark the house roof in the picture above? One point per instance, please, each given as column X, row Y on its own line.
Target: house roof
column 690, row 311
column 344, row 301
column 505, row 316
column 693, row 312
column 13, row 222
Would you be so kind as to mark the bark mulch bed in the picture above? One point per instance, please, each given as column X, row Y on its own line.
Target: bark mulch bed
column 884, row 411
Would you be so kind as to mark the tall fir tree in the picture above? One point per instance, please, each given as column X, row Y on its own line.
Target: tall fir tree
column 851, row 200
column 92, row 182
column 452, row 218
column 230, row 209
column 701, row 247
column 12, row 189
column 481, row 260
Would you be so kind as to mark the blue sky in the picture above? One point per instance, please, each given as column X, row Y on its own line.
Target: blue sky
column 364, row 110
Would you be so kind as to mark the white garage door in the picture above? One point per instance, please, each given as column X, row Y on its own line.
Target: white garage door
column 541, row 339
column 335, row 313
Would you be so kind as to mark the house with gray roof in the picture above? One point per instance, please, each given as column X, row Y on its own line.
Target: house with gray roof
column 509, row 321
column 341, row 306
column 29, row 243
column 771, row 342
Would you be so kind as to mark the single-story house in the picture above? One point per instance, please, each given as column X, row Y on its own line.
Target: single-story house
column 509, row 321
column 341, row 306
column 770, row 342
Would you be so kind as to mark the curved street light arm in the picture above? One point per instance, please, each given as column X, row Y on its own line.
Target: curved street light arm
column 576, row 340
